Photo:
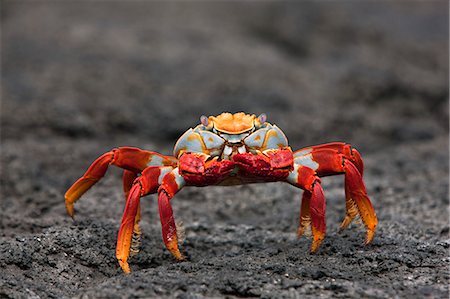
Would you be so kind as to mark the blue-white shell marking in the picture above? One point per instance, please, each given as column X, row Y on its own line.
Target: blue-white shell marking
column 211, row 140
column 304, row 158
column 269, row 137
column 198, row 140
column 256, row 139
column 276, row 138
column 201, row 140
column 190, row 141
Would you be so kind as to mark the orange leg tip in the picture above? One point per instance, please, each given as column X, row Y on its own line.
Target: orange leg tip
column 125, row 267
column 79, row 188
column 172, row 246
column 370, row 236
column 70, row 210
column 315, row 246
column 318, row 237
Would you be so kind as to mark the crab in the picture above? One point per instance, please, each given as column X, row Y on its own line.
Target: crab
column 229, row 149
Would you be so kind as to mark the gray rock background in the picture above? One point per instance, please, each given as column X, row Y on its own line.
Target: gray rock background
column 79, row 78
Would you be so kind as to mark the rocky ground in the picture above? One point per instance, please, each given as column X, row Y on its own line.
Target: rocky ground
column 79, row 78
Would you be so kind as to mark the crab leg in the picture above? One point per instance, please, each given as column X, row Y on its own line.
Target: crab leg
column 128, row 179
column 340, row 158
column 128, row 158
column 312, row 211
column 171, row 184
column 147, row 183
column 305, row 215
column 195, row 169
column 356, row 191
column 317, row 210
column 320, row 154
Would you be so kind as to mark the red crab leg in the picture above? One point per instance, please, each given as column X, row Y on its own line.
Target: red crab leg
column 129, row 158
column 171, row 184
column 128, row 179
column 312, row 214
column 340, row 158
column 305, row 216
column 356, row 191
column 317, row 210
column 340, row 147
column 313, row 203
column 195, row 169
column 147, row 183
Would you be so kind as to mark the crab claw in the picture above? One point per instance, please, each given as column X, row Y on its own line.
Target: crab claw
column 271, row 165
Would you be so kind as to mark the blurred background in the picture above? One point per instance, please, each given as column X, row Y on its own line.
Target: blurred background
column 367, row 73
column 79, row 78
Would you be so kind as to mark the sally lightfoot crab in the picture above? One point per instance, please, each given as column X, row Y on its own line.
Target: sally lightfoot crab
column 229, row 149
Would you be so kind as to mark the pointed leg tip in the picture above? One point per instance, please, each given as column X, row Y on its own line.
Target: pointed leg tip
column 172, row 246
column 318, row 237
column 180, row 257
column 314, row 248
column 315, row 245
column 70, row 210
column 369, row 237
column 177, row 254
column 125, row 267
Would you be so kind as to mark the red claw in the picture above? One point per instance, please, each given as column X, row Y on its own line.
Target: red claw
column 198, row 171
column 281, row 158
column 273, row 165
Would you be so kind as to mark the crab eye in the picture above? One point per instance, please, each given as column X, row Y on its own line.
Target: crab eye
column 262, row 118
column 204, row 120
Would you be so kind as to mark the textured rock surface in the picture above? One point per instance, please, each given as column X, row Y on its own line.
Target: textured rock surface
column 79, row 79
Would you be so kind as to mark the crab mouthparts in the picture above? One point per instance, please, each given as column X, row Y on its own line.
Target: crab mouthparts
column 233, row 148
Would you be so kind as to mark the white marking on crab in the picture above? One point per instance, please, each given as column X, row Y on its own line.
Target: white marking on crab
column 293, row 175
column 178, row 178
column 252, row 140
column 242, row 149
column 164, row 171
column 227, row 150
column 302, row 152
column 273, row 139
column 211, row 140
column 156, row 161
column 276, row 138
column 187, row 143
column 307, row 161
